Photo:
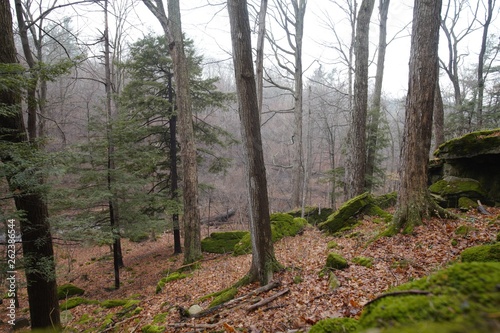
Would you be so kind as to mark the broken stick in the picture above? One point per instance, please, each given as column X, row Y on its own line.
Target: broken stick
column 267, row 300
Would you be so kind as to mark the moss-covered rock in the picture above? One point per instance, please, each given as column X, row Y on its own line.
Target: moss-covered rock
column 462, row 293
column 313, row 215
column 463, row 230
column 482, row 253
column 170, row 277
column 282, row 225
column 385, row 201
column 335, row 325
column 466, row 204
column 69, row 290
column 113, row 303
column 470, row 145
column 222, row 242
column 347, row 215
column 451, row 189
column 335, row 261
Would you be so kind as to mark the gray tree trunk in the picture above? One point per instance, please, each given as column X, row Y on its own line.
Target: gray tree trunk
column 37, row 239
column 373, row 126
column 173, row 30
column 414, row 202
column 263, row 259
column 355, row 171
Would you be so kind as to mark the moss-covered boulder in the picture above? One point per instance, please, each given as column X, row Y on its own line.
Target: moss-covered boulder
column 72, row 302
column 69, row 290
column 462, row 298
column 482, row 253
column 222, row 242
column 282, row 225
column 450, row 189
column 466, row 204
column 471, row 145
column 313, row 215
column 385, row 201
column 347, row 215
column 335, row 261
column 475, row 155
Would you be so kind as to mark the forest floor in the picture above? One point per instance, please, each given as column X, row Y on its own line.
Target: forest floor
column 396, row 260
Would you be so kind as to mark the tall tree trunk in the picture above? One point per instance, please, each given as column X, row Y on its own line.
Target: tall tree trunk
column 263, row 259
column 33, row 80
column 174, row 186
column 173, row 32
column 414, row 202
column 298, row 159
column 480, row 66
column 373, row 125
column 192, row 241
column 355, row 172
column 37, row 239
column 438, row 116
column 259, row 61
column 112, row 202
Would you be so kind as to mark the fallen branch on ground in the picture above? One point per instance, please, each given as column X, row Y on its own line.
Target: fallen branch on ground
column 267, row 300
column 232, row 303
column 398, row 293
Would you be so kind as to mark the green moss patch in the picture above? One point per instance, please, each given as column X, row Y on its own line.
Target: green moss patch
column 451, row 189
column 70, row 303
column 482, row 253
column 153, row 329
column 471, row 144
column 335, row 261
column 171, row 277
column 222, row 242
column 223, row 297
column 335, row 325
column 462, row 293
column 313, row 215
column 363, row 261
column 68, row 290
column 282, row 225
column 346, row 217
column 466, row 204
column 113, row 303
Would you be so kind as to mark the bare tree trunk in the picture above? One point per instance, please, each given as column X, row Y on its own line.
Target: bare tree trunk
column 355, row 172
column 112, row 202
column 259, row 62
column 263, row 259
column 37, row 239
column 174, row 186
column 480, row 66
column 373, row 125
column 298, row 160
column 438, row 116
column 33, row 80
column 192, row 241
column 173, row 32
column 414, row 201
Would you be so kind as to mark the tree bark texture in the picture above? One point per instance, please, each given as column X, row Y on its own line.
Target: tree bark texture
column 355, row 173
column 298, row 170
column 192, row 238
column 37, row 239
column 438, row 116
column 263, row 259
column 173, row 31
column 373, row 125
column 414, row 202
